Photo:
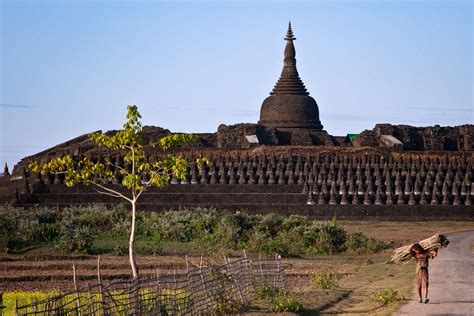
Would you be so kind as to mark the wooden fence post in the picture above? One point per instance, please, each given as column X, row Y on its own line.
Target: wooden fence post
column 1, row 303
column 78, row 298
column 101, row 294
column 236, row 283
column 281, row 281
column 209, row 299
column 16, row 307
column 187, row 264
column 175, row 286
column 261, row 266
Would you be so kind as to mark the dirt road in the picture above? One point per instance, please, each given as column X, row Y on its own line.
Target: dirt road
column 451, row 290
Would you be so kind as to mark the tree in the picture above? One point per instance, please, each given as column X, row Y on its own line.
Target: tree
column 137, row 177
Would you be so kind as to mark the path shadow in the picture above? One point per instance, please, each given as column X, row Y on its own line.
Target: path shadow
column 317, row 311
column 448, row 302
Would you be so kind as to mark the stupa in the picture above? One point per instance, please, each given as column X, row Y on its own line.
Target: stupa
column 289, row 105
column 289, row 108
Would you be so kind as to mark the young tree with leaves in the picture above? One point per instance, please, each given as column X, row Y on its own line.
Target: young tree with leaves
column 140, row 175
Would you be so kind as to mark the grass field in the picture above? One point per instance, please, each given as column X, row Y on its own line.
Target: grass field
column 44, row 269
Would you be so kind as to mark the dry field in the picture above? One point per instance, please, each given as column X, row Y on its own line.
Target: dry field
column 359, row 275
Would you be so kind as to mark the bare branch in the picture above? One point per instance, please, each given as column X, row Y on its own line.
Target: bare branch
column 138, row 194
column 118, row 194
column 107, row 193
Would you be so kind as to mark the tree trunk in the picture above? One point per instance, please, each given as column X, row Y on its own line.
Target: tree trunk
column 131, row 243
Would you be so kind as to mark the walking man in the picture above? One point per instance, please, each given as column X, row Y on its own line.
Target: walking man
column 422, row 257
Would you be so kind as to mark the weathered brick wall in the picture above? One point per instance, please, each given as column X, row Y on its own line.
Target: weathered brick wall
column 353, row 184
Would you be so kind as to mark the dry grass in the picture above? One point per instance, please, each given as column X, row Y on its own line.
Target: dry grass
column 360, row 275
column 397, row 234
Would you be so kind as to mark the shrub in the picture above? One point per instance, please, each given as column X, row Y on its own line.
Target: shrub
column 270, row 224
column 77, row 239
column 325, row 280
column 360, row 243
column 294, row 221
column 286, row 243
column 21, row 228
column 286, row 304
column 209, row 230
column 8, row 231
column 387, row 296
column 266, row 292
column 331, row 238
column 47, row 228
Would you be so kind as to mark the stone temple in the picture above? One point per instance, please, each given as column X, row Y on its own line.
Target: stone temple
column 287, row 163
column 289, row 108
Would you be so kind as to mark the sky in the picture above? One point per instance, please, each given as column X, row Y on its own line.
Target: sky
column 71, row 67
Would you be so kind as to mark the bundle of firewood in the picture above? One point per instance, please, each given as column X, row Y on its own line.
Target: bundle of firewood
column 435, row 242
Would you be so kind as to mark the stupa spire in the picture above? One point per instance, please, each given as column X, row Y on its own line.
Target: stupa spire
column 289, row 82
column 289, row 33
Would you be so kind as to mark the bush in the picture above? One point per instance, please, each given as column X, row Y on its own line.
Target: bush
column 325, row 280
column 387, row 296
column 8, row 231
column 286, row 243
column 77, row 239
column 21, row 228
column 359, row 243
column 270, row 224
column 331, row 238
column 209, row 230
column 151, row 246
column 266, row 292
column 286, row 304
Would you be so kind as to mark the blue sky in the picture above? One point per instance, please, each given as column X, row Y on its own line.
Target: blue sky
column 71, row 67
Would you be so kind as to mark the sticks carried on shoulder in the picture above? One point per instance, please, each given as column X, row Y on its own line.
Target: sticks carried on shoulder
column 404, row 255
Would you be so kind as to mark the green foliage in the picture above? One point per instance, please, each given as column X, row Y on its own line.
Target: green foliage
column 280, row 300
column 287, row 243
column 267, row 292
column 21, row 228
column 331, row 238
column 325, row 280
column 359, row 243
column 387, row 296
column 77, row 239
column 175, row 140
column 208, row 230
column 142, row 174
column 286, row 304
column 22, row 297
column 270, row 224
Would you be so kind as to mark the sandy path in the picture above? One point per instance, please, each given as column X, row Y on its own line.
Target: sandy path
column 451, row 290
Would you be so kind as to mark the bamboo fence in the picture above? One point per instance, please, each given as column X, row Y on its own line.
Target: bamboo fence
column 200, row 290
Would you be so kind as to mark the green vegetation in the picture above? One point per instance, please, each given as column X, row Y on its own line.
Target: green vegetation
column 138, row 174
column 96, row 229
column 325, row 280
column 361, row 244
column 171, row 300
column 9, row 299
column 281, row 301
column 387, row 297
column 286, row 304
column 267, row 292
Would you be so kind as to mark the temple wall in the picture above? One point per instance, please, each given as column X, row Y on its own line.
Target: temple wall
column 281, row 179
